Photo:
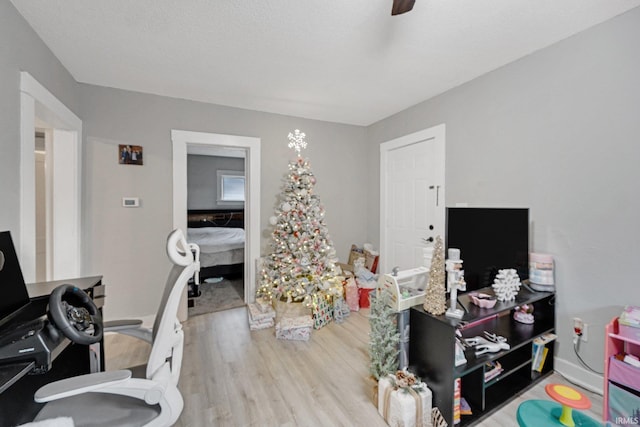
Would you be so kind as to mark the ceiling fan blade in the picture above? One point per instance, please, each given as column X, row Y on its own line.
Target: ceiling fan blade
column 402, row 6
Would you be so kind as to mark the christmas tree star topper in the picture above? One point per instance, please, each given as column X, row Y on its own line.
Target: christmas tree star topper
column 296, row 141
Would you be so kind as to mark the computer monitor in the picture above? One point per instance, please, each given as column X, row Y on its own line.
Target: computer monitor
column 13, row 291
column 489, row 239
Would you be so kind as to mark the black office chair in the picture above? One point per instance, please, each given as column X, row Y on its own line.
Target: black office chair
column 117, row 398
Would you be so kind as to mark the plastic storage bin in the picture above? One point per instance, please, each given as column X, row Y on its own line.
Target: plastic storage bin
column 629, row 323
column 627, row 331
column 624, row 404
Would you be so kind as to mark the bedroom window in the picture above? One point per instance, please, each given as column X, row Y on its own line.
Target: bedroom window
column 230, row 186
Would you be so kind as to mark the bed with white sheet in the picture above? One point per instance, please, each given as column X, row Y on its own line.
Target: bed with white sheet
column 218, row 245
column 221, row 237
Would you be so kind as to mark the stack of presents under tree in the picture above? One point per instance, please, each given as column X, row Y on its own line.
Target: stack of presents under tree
column 302, row 287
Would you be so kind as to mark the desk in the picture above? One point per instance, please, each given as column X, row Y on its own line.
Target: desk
column 17, row 386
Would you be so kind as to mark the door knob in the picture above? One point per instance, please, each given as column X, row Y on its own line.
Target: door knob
column 428, row 240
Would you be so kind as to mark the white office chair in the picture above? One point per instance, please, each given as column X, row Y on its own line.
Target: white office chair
column 117, row 398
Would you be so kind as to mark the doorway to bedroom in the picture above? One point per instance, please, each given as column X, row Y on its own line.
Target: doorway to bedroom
column 215, row 220
column 211, row 144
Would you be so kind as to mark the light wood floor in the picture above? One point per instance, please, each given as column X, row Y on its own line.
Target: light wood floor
column 232, row 376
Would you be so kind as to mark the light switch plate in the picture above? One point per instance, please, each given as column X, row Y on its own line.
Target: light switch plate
column 131, row 202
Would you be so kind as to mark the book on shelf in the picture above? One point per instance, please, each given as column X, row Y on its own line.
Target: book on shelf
column 457, row 394
column 465, row 409
column 538, row 360
column 540, row 350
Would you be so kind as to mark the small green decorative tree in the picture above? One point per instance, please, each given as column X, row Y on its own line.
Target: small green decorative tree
column 384, row 337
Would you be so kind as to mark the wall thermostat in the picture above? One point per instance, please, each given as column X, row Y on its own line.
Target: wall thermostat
column 131, row 202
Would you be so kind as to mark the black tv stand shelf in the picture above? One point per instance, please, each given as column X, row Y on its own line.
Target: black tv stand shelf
column 432, row 352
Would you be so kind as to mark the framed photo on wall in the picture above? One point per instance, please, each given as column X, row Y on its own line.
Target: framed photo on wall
column 130, row 154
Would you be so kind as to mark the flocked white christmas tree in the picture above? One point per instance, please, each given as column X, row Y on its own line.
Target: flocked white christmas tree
column 302, row 262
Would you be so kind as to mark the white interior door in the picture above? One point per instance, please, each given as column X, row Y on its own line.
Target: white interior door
column 412, row 197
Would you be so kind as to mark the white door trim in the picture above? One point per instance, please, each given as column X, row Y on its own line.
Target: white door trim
column 65, row 252
column 435, row 133
column 181, row 139
column 40, row 107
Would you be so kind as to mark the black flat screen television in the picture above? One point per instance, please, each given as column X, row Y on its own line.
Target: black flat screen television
column 489, row 239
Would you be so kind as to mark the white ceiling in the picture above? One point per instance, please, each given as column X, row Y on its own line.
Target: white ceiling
column 345, row 61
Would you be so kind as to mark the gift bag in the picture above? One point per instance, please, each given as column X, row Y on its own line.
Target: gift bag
column 340, row 309
column 354, row 254
column 364, row 297
column 371, row 258
column 322, row 311
column 352, row 296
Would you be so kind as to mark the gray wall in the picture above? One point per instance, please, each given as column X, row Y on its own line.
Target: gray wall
column 22, row 50
column 127, row 245
column 556, row 131
column 202, row 180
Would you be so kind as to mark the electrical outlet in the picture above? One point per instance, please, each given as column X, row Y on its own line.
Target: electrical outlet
column 578, row 325
column 579, row 330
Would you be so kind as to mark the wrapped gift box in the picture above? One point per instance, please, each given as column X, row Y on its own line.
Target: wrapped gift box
column 404, row 406
column 264, row 305
column 294, row 328
column 257, row 314
column 290, row 309
column 259, row 319
column 260, row 324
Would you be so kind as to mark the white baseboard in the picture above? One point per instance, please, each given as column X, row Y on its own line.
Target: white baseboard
column 579, row 375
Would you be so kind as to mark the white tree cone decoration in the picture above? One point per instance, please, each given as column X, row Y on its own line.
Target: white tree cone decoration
column 506, row 285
